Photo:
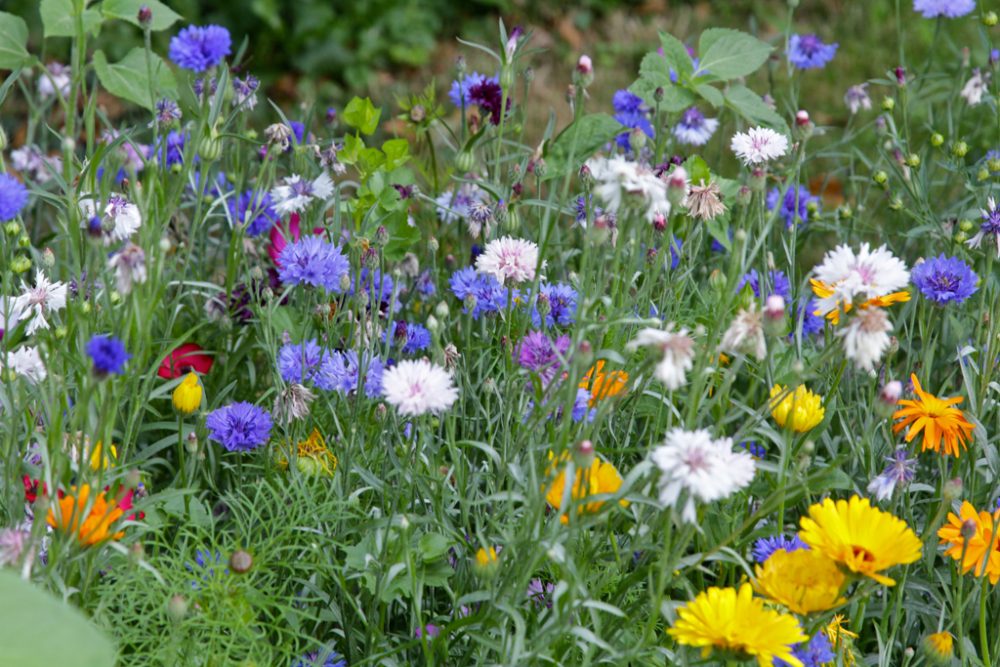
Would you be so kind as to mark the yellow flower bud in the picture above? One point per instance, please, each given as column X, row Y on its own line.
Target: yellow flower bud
column 187, row 395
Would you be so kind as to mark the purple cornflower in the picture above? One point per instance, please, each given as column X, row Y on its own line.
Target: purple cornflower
column 170, row 149
column 797, row 206
column 765, row 546
column 379, row 287
column 199, row 47
column 814, row 653
column 779, row 284
column 694, row 129
column 561, row 299
column 676, row 245
column 539, row 353
column 454, row 206
column 412, row 337
column 488, row 96
column 245, row 92
column 755, row 449
column 199, row 86
column 944, row 279
column 459, row 93
column 989, row 227
column 900, row 472
column 631, row 112
column 950, row 9
column 308, row 362
column 108, row 354
column 540, row 593
column 253, row 209
column 430, row 629
column 321, row 659
column 239, row 427
column 479, row 291
column 313, row 261
column 13, row 197
column 809, row 52
column 425, row 284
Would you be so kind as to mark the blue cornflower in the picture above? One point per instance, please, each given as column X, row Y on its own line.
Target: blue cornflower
column 482, row 290
column 239, row 427
column 814, row 653
column 108, row 354
column 321, row 659
column 562, row 305
column 412, row 337
column 797, row 206
column 207, row 563
column 348, row 366
column 308, row 362
column 631, row 112
column 715, row 246
column 425, row 284
column 581, row 407
column 989, row 227
column 809, row 52
column 313, row 261
column 694, row 129
column 811, row 322
column 379, row 287
column 254, row 210
column 779, row 284
column 755, row 449
column 950, row 9
column 199, row 47
column 459, row 93
column 765, row 546
column 298, row 130
column 944, row 279
column 13, row 197
column 676, row 245
column 169, row 150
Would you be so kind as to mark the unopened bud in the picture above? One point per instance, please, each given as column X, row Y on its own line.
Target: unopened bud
column 952, row 489
column 888, row 103
column 774, row 315
column 990, row 19
column 968, row 529
column 145, row 15
column 637, row 139
column 240, row 561
column 913, row 160
column 659, row 222
column 465, row 161
column 191, row 443
column 584, row 74
column 583, row 454
column 177, row 607
column 937, row 140
column 959, row 149
column 744, row 195
column 802, row 118
column 888, row 396
column 880, row 177
column 758, row 179
column 48, row 258
column 20, row 264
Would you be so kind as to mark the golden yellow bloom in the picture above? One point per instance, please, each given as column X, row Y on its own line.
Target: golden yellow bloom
column 93, row 528
column 936, row 418
column 982, row 553
column 486, row 558
column 102, row 462
column 600, row 477
column 862, row 538
column 732, row 620
column 823, row 290
column 804, row 581
column 187, row 395
column 806, row 408
column 603, row 385
column 841, row 638
column 313, row 456
column 940, row 647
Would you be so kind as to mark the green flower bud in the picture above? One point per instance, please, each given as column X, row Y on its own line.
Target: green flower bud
column 880, row 177
column 983, row 174
column 990, row 19
column 913, row 160
column 966, row 225
column 888, row 103
column 959, row 149
column 465, row 161
column 937, row 140
column 20, row 264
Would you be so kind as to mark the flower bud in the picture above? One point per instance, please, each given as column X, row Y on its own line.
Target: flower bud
column 145, row 16
column 442, row 310
column 802, row 118
column 487, row 562
column 888, row 103
column 584, row 74
column 913, row 160
column 968, row 529
column 12, row 228
column 20, row 264
column 758, row 179
column 744, row 195
column 48, row 258
column 774, row 315
column 191, row 443
column 952, row 489
column 966, row 225
column 900, row 76
column 990, row 19
column 636, row 139
column 937, row 140
column 465, row 161
column 177, row 607
column 888, row 396
column 983, row 174
column 240, row 561
column 959, row 149
column 583, row 454
column 880, row 177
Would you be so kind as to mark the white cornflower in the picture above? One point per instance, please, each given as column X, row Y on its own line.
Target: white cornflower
column 26, row 362
column 976, row 87
column 509, row 259
column 129, row 265
column 866, row 338
column 124, row 217
column 677, row 348
column 745, row 334
column 39, row 301
column 10, row 314
column 844, row 275
column 295, row 193
column 292, row 403
column 694, row 129
column 707, row 470
column 759, row 144
column 989, row 227
column 618, row 180
column 856, row 98
column 56, row 77
column 418, row 387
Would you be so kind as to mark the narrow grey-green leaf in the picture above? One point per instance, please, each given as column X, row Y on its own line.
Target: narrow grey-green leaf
column 750, row 105
column 129, row 78
column 13, row 41
column 128, row 10
column 59, row 18
column 728, row 54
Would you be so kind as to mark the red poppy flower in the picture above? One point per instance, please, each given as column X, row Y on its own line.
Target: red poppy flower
column 187, row 357
column 31, row 489
column 281, row 234
column 125, row 504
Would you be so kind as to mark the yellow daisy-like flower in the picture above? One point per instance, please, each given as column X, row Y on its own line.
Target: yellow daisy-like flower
column 841, row 638
column 861, row 538
column 940, row 647
column 804, row 581
column 101, row 461
column 187, row 395
column 823, row 291
column 313, row 456
column 982, row 549
column 733, row 620
column 801, row 410
column 92, row 528
column 938, row 420
column 601, row 477
column 603, row 385
column 486, row 557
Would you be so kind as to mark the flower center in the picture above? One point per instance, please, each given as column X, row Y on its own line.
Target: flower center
column 863, row 555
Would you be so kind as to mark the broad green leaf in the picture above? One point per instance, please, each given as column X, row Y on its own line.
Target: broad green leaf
column 13, row 41
column 433, row 545
column 711, row 94
column 578, row 142
column 697, row 170
column 654, row 73
column 351, row 151
column 402, row 236
column 38, row 630
column 728, row 54
column 128, row 10
column 362, row 115
column 676, row 55
column 397, row 153
column 59, row 18
column 750, row 105
column 129, row 78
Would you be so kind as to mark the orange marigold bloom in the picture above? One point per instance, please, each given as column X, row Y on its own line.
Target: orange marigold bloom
column 603, row 385
column 92, row 528
column 822, row 290
column 936, row 418
column 982, row 552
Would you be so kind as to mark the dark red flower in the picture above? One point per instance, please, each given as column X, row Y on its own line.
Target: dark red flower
column 488, row 95
column 187, row 357
column 31, row 489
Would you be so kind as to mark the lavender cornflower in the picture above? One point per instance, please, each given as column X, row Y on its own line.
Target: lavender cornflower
column 797, row 206
column 817, row 652
column 198, row 48
column 694, row 129
column 13, row 197
column 989, row 227
column 254, row 211
column 561, row 300
column 900, row 472
column 779, row 284
column 944, row 279
column 765, row 546
column 950, row 9
column 856, row 98
column 631, row 112
column 167, row 112
column 170, row 149
column 379, row 287
column 308, row 362
column 581, row 407
column 809, row 52
column 108, row 354
column 453, row 206
column 239, row 427
column 129, row 265
column 313, row 261
column 348, row 373
column 412, row 337
column 540, row 354
column 540, row 593
column 245, row 92
column 425, row 284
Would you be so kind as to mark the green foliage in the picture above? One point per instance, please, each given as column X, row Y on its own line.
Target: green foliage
column 582, row 137
column 130, row 77
column 128, row 10
column 59, row 18
column 13, row 41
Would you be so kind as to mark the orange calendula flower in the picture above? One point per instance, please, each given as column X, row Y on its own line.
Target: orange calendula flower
column 982, row 548
column 314, row 457
column 823, row 291
column 603, row 385
column 600, row 477
column 938, row 420
column 89, row 529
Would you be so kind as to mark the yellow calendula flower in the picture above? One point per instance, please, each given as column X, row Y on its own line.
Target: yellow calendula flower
column 801, row 410
column 937, row 418
column 601, row 477
column 841, row 639
column 859, row 537
column 101, row 461
column 940, row 647
column 733, row 620
column 90, row 528
column 980, row 552
column 313, row 456
column 823, row 291
column 603, row 385
column 485, row 557
column 187, row 395
column 804, row 581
